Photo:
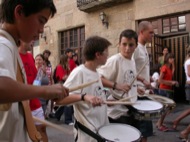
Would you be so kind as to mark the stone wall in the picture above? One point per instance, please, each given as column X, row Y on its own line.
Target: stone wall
column 120, row 17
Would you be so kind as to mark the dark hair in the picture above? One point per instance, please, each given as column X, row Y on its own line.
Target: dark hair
column 167, row 57
column 156, row 68
column 129, row 34
column 93, row 45
column 68, row 50
column 187, row 51
column 7, row 8
column 64, row 62
column 41, row 55
column 47, row 51
column 165, row 47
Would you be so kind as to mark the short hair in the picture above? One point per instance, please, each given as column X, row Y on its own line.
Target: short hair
column 7, row 8
column 165, row 47
column 93, row 45
column 167, row 57
column 68, row 50
column 143, row 25
column 47, row 51
column 129, row 34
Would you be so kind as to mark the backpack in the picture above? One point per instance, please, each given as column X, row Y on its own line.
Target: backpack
column 54, row 75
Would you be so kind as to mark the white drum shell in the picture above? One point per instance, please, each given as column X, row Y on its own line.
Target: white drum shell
column 120, row 133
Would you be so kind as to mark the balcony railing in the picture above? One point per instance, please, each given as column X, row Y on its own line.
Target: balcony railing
column 93, row 5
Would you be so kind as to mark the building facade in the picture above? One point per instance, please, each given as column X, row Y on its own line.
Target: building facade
column 78, row 19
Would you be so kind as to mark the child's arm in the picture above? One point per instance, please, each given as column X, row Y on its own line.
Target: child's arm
column 145, row 82
column 166, row 82
column 114, row 85
column 95, row 101
column 13, row 91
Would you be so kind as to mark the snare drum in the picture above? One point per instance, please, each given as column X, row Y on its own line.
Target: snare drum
column 147, row 110
column 116, row 132
column 164, row 100
column 168, row 103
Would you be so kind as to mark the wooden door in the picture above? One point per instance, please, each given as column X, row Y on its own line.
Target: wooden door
column 177, row 46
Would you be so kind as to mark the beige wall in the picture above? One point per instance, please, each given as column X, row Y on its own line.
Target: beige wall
column 120, row 17
column 153, row 8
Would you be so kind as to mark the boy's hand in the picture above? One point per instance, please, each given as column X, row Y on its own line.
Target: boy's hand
column 123, row 87
column 147, row 84
column 141, row 91
column 56, row 92
column 95, row 101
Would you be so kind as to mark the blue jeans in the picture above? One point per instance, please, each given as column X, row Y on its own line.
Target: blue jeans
column 166, row 93
column 187, row 92
column 68, row 112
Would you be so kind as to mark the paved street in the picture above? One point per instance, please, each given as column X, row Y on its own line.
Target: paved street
column 56, row 136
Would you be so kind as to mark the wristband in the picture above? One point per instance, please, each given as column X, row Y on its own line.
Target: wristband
column 82, row 96
column 114, row 85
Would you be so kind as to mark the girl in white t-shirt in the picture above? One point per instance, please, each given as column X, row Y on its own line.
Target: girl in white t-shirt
column 155, row 77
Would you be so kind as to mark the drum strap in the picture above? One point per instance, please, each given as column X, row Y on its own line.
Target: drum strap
column 78, row 125
column 34, row 135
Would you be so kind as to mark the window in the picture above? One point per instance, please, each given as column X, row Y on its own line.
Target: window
column 155, row 26
column 74, row 39
column 173, row 24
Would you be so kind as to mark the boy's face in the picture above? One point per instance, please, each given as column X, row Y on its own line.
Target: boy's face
column 127, row 47
column 30, row 27
column 102, row 58
column 70, row 54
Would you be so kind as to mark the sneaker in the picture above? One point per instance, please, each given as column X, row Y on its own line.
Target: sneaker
column 71, row 123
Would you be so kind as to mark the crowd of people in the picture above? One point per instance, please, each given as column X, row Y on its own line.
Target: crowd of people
column 125, row 74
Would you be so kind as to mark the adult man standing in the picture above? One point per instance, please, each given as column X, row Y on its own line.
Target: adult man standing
column 145, row 34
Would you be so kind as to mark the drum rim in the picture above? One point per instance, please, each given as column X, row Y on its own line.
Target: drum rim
column 167, row 100
column 121, row 125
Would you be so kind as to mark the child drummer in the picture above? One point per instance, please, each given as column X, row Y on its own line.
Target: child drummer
column 95, row 52
column 118, row 74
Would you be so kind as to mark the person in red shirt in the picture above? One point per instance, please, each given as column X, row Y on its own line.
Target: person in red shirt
column 69, row 53
column 62, row 69
column 165, row 88
column 31, row 73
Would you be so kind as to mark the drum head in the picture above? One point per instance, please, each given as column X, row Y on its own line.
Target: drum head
column 119, row 133
column 147, row 105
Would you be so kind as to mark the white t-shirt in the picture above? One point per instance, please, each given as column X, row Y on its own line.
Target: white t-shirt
column 92, row 117
column 155, row 78
column 121, row 70
column 140, row 56
column 12, row 127
column 187, row 63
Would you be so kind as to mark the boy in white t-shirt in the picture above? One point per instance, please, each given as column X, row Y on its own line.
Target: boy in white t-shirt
column 117, row 74
column 21, row 20
column 95, row 52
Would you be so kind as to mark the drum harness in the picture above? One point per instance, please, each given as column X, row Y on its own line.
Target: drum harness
column 78, row 125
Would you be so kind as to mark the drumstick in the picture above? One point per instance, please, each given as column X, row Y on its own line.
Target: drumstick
column 126, row 99
column 82, row 86
column 139, row 72
column 118, row 103
column 47, row 123
column 137, row 75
